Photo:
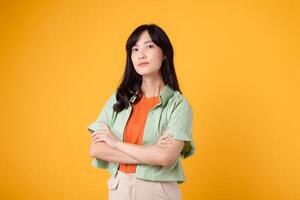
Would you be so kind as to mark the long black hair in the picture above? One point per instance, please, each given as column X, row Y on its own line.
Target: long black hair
column 131, row 81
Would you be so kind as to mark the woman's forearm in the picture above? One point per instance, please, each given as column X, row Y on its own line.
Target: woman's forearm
column 102, row 151
column 148, row 154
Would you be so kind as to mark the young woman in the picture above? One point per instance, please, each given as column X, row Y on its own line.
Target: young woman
column 145, row 127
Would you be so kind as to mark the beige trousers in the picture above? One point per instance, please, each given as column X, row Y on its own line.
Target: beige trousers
column 127, row 187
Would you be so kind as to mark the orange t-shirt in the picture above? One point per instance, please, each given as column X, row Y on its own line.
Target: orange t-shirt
column 134, row 129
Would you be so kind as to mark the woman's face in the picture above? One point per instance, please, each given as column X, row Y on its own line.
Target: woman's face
column 146, row 56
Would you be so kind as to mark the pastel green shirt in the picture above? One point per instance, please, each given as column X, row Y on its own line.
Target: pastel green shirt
column 173, row 112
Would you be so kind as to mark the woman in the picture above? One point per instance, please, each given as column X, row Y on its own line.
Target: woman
column 145, row 127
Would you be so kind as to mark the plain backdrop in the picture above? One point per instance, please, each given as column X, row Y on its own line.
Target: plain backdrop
column 237, row 63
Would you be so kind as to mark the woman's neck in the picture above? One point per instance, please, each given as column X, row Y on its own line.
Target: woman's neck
column 152, row 87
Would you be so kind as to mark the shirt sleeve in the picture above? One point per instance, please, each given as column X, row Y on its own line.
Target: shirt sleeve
column 180, row 125
column 105, row 115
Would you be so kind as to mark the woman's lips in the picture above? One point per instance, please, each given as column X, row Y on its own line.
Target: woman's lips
column 143, row 64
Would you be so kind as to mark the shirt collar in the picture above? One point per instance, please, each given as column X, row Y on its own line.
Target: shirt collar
column 165, row 94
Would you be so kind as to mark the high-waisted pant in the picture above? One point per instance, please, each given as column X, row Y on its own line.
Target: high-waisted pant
column 127, row 187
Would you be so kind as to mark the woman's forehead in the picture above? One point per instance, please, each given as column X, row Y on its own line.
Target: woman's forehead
column 144, row 38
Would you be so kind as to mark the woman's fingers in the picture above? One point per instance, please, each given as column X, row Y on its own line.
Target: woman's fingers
column 97, row 136
column 165, row 143
column 165, row 136
column 101, row 136
column 164, row 140
column 98, row 133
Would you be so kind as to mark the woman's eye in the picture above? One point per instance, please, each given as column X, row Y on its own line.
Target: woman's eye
column 151, row 46
column 134, row 49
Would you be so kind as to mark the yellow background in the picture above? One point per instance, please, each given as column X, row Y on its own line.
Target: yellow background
column 237, row 63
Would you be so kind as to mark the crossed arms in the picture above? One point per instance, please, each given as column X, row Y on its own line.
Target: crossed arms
column 107, row 147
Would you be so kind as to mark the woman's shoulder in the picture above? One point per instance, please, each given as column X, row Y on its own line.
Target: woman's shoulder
column 179, row 100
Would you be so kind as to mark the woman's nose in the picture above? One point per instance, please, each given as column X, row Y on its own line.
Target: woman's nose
column 142, row 54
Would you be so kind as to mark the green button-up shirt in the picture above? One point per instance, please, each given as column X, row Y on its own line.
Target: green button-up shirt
column 173, row 112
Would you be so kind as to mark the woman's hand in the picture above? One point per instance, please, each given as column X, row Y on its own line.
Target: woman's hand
column 106, row 136
column 165, row 140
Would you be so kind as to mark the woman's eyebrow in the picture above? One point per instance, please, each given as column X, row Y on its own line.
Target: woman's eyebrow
column 144, row 42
